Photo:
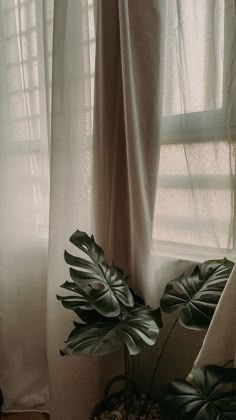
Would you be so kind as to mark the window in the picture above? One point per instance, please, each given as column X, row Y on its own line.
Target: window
column 195, row 198
column 25, row 100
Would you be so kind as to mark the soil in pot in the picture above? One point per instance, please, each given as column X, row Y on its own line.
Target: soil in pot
column 135, row 408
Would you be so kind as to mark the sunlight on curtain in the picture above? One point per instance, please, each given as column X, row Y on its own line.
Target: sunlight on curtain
column 26, row 28
column 24, row 191
column 195, row 204
column 194, row 54
column 76, row 383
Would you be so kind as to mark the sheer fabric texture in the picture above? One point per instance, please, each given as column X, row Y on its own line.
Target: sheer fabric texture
column 195, row 200
column 76, row 383
column 26, row 29
column 25, row 50
column 195, row 203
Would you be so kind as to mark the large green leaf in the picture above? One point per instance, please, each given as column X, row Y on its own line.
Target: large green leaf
column 77, row 305
column 210, row 396
column 103, row 286
column 136, row 328
column 198, row 294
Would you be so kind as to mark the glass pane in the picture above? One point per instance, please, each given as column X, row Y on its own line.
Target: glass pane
column 194, row 204
column 194, row 53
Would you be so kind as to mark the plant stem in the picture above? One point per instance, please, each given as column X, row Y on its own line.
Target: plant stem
column 126, row 362
column 128, row 376
column 132, row 367
column 160, row 357
column 157, row 365
column 228, row 363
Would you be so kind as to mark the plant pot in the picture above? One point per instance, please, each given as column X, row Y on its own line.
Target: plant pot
column 113, row 400
column 126, row 404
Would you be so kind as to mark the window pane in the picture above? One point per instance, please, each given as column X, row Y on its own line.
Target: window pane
column 195, row 195
column 194, row 53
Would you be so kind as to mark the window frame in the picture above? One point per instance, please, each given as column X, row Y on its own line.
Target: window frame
column 199, row 127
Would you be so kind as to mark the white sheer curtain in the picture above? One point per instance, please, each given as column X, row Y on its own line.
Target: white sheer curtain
column 195, row 201
column 76, row 383
column 25, row 49
column 26, row 29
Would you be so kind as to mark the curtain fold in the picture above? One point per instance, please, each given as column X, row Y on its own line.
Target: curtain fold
column 74, row 382
column 120, row 137
column 127, row 124
column 219, row 345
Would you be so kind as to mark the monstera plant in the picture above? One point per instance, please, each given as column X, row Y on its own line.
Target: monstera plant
column 198, row 294
column 109, row 313
column 196, row 297
column 209, row 396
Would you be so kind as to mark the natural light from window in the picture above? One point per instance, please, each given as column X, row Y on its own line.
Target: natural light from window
column 194, row 53
column 195, row 196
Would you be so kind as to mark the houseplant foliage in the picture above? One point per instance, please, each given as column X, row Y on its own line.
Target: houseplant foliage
column 197, row 294
column 209, row 396
column 109, row 312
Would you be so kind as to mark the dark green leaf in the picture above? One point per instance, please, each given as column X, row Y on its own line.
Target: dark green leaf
column 75, row 303
column 81, row 307
column 210, row 396
column 137, row 299
column 103, row 286
column 198, row 294
column 156, row 313
column 137, row 329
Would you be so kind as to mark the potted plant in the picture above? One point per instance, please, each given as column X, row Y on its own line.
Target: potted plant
column 110, row 315
column 207, row 394
column 195, row 296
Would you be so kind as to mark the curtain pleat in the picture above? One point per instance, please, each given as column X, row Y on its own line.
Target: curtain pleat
column 126, row 133
column 76, row 383
column 219, row 346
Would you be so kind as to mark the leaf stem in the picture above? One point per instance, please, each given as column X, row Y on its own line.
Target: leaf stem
column 157, row 366
column 227, row 363
column 126, row 362
column 160, row 357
